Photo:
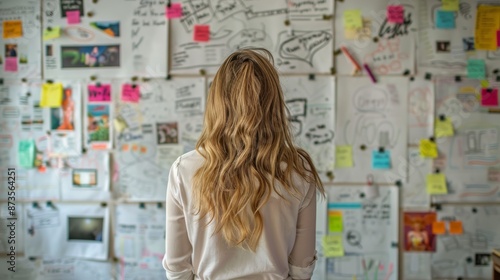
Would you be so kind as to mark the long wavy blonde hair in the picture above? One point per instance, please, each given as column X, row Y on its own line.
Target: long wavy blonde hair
column 245, row 139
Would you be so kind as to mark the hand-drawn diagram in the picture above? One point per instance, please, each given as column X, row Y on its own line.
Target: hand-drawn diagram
column 421, row 110
column 414, row 193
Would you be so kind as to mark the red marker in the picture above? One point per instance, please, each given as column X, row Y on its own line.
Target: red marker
column 351, row 59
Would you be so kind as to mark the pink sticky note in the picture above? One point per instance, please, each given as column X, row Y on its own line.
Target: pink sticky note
column 201, row 33
column 130, row 93
column 10, row 64
column 99, row 93
column 498, row 38
column 174, row 11
column 395, row 13
column 73, row 17
column 489, row 97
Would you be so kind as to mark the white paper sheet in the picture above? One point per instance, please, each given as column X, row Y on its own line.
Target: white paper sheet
column 78, row 269
column 420, row 109
column 98, row 116
column 417, row 266
column 414, row 192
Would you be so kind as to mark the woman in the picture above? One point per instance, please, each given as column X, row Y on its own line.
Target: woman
column 243, row 204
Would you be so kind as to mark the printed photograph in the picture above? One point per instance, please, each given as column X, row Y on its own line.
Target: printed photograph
column 483, row 259
column 418, row 235
column 90, row 56
column 167, row 133
column 85, row 229
column 62, row 118
column 71, row 5
column 468, row 44
column 443, row 46
column 10, row 50
column 84, row 178
column 98, row 122
column 49, row 50
column 110, row 28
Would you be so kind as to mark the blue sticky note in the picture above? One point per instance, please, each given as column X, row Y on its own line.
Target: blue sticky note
column 381, row 160
column 445, row 19
column 476, row 69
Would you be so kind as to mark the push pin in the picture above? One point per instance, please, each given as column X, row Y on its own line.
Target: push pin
column 362, row 147
column 24, row 80
column 287, row 22
column 337, row 52
column 375, row 39
column 35, row 204
column 333, row 71
column 381, row 149
column 406, row 72
column 432, row 139
column 398, row 183
column 474, row 210
column 160, row 205
column 49, row 204
column 90, row 14
column 442, row 117
column 312, row 77
column 203, row 72
column 362, row 195
column 93, row 78
column 412, row 79
column 168, row 78
column 438, row 207
column 437, row 170
column 428, row 76
column 458, row 78
column 142, row 205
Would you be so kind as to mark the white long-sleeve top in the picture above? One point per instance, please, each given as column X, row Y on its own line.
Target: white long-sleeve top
column 286, row 249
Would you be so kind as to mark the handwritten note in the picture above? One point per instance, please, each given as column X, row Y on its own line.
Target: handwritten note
column 101, row 93
column 12, row 29
column 10, row 64
column 489, row 97
column 436, row 184
column 73, row 17
column 332, row 246
column 52, row 95
column 487, row 23
column 438, row 227
column 335, row 223
column 443, row 128
column 174, row 11
column 352, row 19
column 395, row 14
column 201, row 33
column 130, row 93
column 456, row 227
column 381, row 160
column 450, row 5
column 26, row 153
column 52, row 33
column 343, row 156
column 476, row 69
column 428, row 148
column 445, row 19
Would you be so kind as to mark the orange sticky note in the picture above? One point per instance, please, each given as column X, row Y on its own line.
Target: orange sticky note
column 456, row 227
column 125, row 147
column 438, row 227
column 135, row 148
column 12, row 29
column 144, row 149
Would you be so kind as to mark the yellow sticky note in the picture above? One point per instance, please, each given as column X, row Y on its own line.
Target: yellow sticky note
column 485, row 83
column 52, row 95
column 343, row 156
column 450, row 5
column 436, row 184
column 352, row 19
column 332, row 246
column 53, row 33
column 428, row 148
column 12, row 29
column 119, row 124
column 443, row 128
column 487, row 23
column 335, row 223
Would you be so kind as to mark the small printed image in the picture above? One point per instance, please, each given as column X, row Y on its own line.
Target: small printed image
column 443, row 46
column 62, row 118
column 90, row 56
column 483, row 259
column 468, row 44
column 84, row 178
column 418, row 236
column 49, row 50
column 98, row 122
column 10, row 50
column 23, row 53
column 85, row 229
column 167, row 133
column 110, row 28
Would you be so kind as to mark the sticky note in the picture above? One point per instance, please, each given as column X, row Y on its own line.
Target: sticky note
column 489, row 97
column 101, row 93
column 476, row 69
column 53, row 33
column 498, row 38
column 381, row 160
column 174, row 11
column 26, row 153
column 438, row 227
column 335, row 223
column 12, row 29
column 130, row 93
column 332, row 246
column 10, row 64
column 485, row 83
column 450, row 5
column 125, row 147
column 445, row 19
column 352, row 19
column 443, row 128
column 343, row 156
column 428, row 148
column 487, row 24
column 73, row 17
column 456, row 227
column 436, row 184
column 201, row 33
column 395, row 14
column 52, row 95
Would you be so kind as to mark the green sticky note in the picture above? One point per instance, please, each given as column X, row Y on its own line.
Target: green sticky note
column 332, row 246
column 26, row 153
column 476, row 69
column 343, row 156
column 335, row 223
column 53, row 33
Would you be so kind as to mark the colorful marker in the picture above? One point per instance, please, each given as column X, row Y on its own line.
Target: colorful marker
column 344, row 50
column 369, row 71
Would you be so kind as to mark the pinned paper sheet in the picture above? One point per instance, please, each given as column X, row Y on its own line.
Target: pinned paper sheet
column 487, row 24
column 428, row 148
column 476, row 69
column 438, row 227
column 352, row 19
column 335, row 223
column 450, row 5
column 174, row 11
column 381, row 160
column 130, row 93
column 12, row 29
column 53, row 33
column 445, row 19
column 343, row 156
column 101, row 93
column 26, row 153
column 73, row 17
column 456, row 227
column 52, row 95
column 332, row 246
column 489, row 97
column 395, row 13
column 10, row 64
column 436, row 184
column 443, row 128
column 201, row 33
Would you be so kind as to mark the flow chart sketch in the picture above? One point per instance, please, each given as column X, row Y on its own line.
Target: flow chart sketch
column 311, row 105
column 467, row 255
column 372, row 120
column 19, row 57
column 420, row 109
column 471, row 160
column 95, row 40
column 387, row 48
column 78, row 269
column 209, row 30
column 164, row 124
column 369, row 232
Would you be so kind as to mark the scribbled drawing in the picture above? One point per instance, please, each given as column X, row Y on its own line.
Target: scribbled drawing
column 79, row 34
column 420, row 99
column 250, row 37
column 296, row 109
column 302, row 45
column 493, row 55
column 224, row 9
column 353, row 237
column 465, row 10
column 388, row 56
column 367, row 129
